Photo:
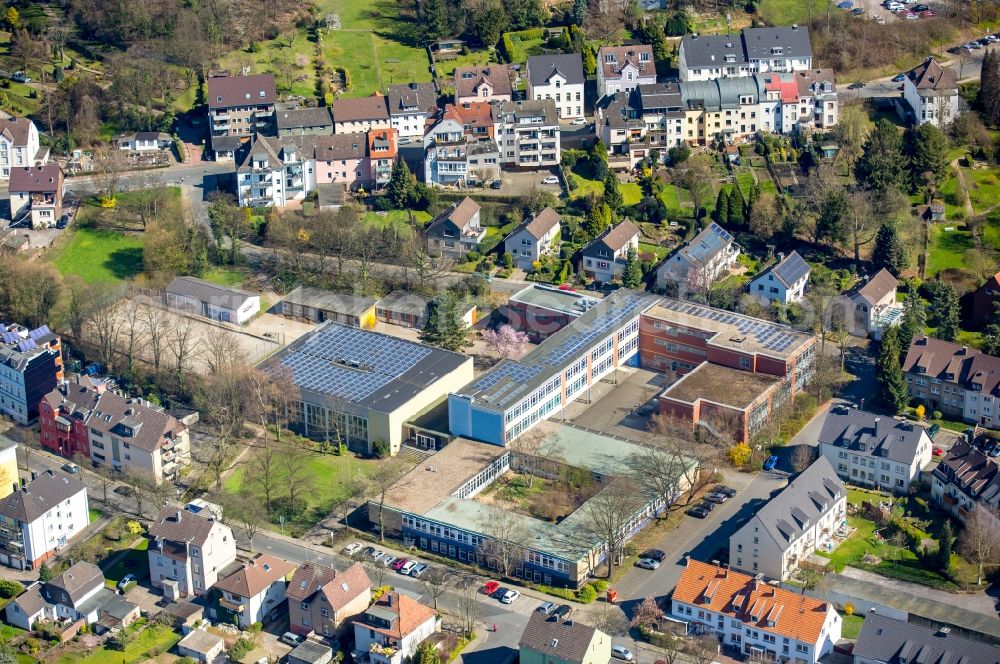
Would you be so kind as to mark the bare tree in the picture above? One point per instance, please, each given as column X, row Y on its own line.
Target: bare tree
column 388, row 473
column 702, row 649
column 607, row 514
column 107, row 477
column 182, row 342
column 468, row 606
column 674, row 436
column 143, row 489
column 29, row 444
column 262, row 472
column 377, row 572
column 612, row 622
column 108, row 166
column 249, row 513
column 436, row 581
column 133, row 333
column 504, row 539
column 427, row 267
column 802, row 457
column 222, row 402
column 80, row 301
column 106, row 328
column 658, row 471
column 296, row 472
column 980, row 539
column 221, row 351
column 158, row 333
column 527, row 453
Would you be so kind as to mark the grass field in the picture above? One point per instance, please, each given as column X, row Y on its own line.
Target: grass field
column 135, row 561
column 525, row 43
column 947, row 248
column 851, row 627
column 631, row 193
column 984, row 189
column 99, row 256
column 446, row 68
column 420, row 217
column 223, row 276
column 147, row 643
column 584, row 187
column 271, row 57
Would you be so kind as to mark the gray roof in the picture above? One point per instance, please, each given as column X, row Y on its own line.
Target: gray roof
column 40, row 495
column 707, row 244
column 788, row 270
column 566, row 640
column 569, row 65
column 205, row 291
column 511, row 111
column 107, row 601
column 310, row 652
column 619, row 110
column 405, row 302
column 806, row 498
column 20, row 346
column 31, row 600
column 722, row 93
column 883, row 639
column 179, row 525
column 301, row 118
column 711, row 50
column 410, row 98
column 77, row 581
column 372, row 370
column 660, row 96
column 351, row 305
column 750, row 45
column 871, row 435
column 554, row 299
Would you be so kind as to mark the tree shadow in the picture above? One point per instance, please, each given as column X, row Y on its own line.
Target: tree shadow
column 499, row 655
column 125, row 263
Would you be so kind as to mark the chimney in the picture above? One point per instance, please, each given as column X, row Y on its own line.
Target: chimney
column 178, row 515
column 781, row 256
column 878, row 421
column 34, row 475
column 16, row 486
column 943, row 631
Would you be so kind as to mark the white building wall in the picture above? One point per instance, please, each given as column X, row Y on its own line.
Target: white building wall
column 410, row 124
column 569, row 99
column 53, row 530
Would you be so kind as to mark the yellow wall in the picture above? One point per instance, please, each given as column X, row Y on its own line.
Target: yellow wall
column 8, row 467
column 368, row 319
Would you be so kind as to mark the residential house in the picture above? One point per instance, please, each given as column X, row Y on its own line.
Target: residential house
column 256, row 590
column 81, row 417
column 817, row 99
column 144, row 141
column 323, row 600
column 931, row 91
column 316, row 305
column 703, row 260
column 302, row 121
column 221, row 303
column 984, row 301
column 40, row 518
column 756, row 618
column 784, row 282
column 238, row 107
column 37, row 191
column 79, row 593
column 885, row 640
column 459, row 149
column 360, row 114
column 537, row 236
column 957, row 380
column 19, row 146
column 964, row 479
column 540, row 311
column 409, row 309
column 752, row 51
column 623, row 68
column 552, row 640
column 618, row 123
column 528, row 133
column 392, row 628
column 792, row 525
column 383, row 149
column 874, row 304
column 603, row 260
column 32, row 365
column 663, row 122
column 410, row 105
column 188, row 551
column 487, row 83
column 201, row 645
column 456, row 231
column 558, row 77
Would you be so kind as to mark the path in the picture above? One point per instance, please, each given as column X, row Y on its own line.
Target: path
column 969, row 212
column 977, row 602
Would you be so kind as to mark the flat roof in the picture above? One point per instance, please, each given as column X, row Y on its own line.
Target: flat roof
column 200, row 641
column 568, row 302
column 351, row 305
column 441, row 474
column 433, row 418
column 733, row 330
column 510, row 380
column 366, row 368
column 722, row 385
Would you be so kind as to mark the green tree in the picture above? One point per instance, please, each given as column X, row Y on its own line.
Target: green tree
column 678, row 25
column 589, row 61
column 927, row 150
column 579, row 11
column 599, row 160
column 832, row 223
column 988, row 97
column 612, row 196
column 598, row 219
column 661, row 49
column 914, row 320
column 881, row 165
column 632, row 274
column 434, row 17
column 45, row 573
column 889, row 375
column 427, row 653
column 444, row 327
column 889, row 251
column 736, row 206
column 943, row 311
column 401, row 185
column 945, row 544
column 722, row 207
column 991, row 333
column 490, row 20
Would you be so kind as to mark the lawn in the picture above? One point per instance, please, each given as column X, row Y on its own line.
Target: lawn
column 582, row 187
column 851, row 627
column 148, row 643
column 224, row 276
column 657, row 252
column 670, row 197
column 631, row 193
column 947, row 248
column 95, row 514
column 525, row 43
column 99, row 256
column 746, row 182
column 293, row 67
column 446, row 68
column 135, row 561
column 420, row 217
column 984, row 189
column 953, row 207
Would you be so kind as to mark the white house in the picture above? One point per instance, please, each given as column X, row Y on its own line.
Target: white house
column 752, row 51
column 874, row 303
column 188, row 551
column 144, row 141
column 40, row 518
column 410, row 105
column 534, row 238
column 931, row 91
column 19, row 145
column 758, row 619
column 229, row 305
column 792, row 525
column 483, row 83
column 256, row 589
column 558, row 77
column 623, row 68
column 784, row 282
column 528, row 133
column 708, row 255
column 604, row 258
column 37, row 192
column 392, row 628
column 872, row 450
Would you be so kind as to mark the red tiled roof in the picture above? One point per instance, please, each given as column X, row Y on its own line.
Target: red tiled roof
column 35, row 179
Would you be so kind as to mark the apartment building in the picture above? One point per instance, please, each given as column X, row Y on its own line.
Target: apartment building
column 965, row 479
column 603, row 259
column 456, row 231
column 784, row 282
column 410, row 105
column 188, row 552
column 383, row 149
column 884, row 639
column 36, row 192
column 41, row 518
column 792, row 525
column 392, row 628
column 540, row 311
column 553, row 640
column 31, row 366
column 302, row 121
column 240, row 106
column 752, row 51
column 351, row 116
column 256, row 590
column 460, row 147
column 81, row 417
column 535, row 237
column 872, row 450
column 323, row 600
column 558, row 77
column 623, row 68
column 19, row 146
column 758, row 619
column 957, row 380
column 618, row 122
column 931, row 91
column 487, row 83
column 702, row 260
column 528, row 133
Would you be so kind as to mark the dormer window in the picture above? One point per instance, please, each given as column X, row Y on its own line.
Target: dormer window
column 644, row 57
column 262, row 94
column 610, row 58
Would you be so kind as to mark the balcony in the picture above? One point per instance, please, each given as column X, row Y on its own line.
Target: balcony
column 232, row 606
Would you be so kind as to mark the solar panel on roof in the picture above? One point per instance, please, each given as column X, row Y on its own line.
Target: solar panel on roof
column 10, row 337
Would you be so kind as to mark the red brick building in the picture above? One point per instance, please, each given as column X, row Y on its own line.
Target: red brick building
column 540, row 311
column 982, row 302
column 63, row 414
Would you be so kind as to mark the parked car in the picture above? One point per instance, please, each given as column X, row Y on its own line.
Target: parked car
column 499, row 592
column 377, row 555
column 127, row 579
column 770, row 463
column 546, row 608
column 938, row 451
column 932, row 430
column 857, row 85
column 857, row 11
column 563, row 611
column 716, row 497
column 71, row 468
column 697, row 512
column 388, row 560
column 126, row 491
column 510, row 597
column 655, row 554
column 407, row 567
column 707, row 504
column 496, row 184
column 898, row 78
column 579, row 121
column 647, row 563
column 552, row 179
column 418, row 570
column 20, row 77
column 398, row 565
column 490, row 587
column 722, row 488
column 291, row 639
column 368, row 551
column 622, row 653
column 63, row 221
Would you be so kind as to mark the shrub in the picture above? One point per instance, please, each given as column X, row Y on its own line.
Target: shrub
column 378, row 592
column 240, row 648
column 33, row 645
column 381, row 449
column 739, row 454
column 117, row 641
column 586, row 594
column 601, row 586
column 9, row 588
column 937, row 415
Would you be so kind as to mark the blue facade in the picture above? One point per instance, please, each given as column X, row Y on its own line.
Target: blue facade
column 465, row 419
